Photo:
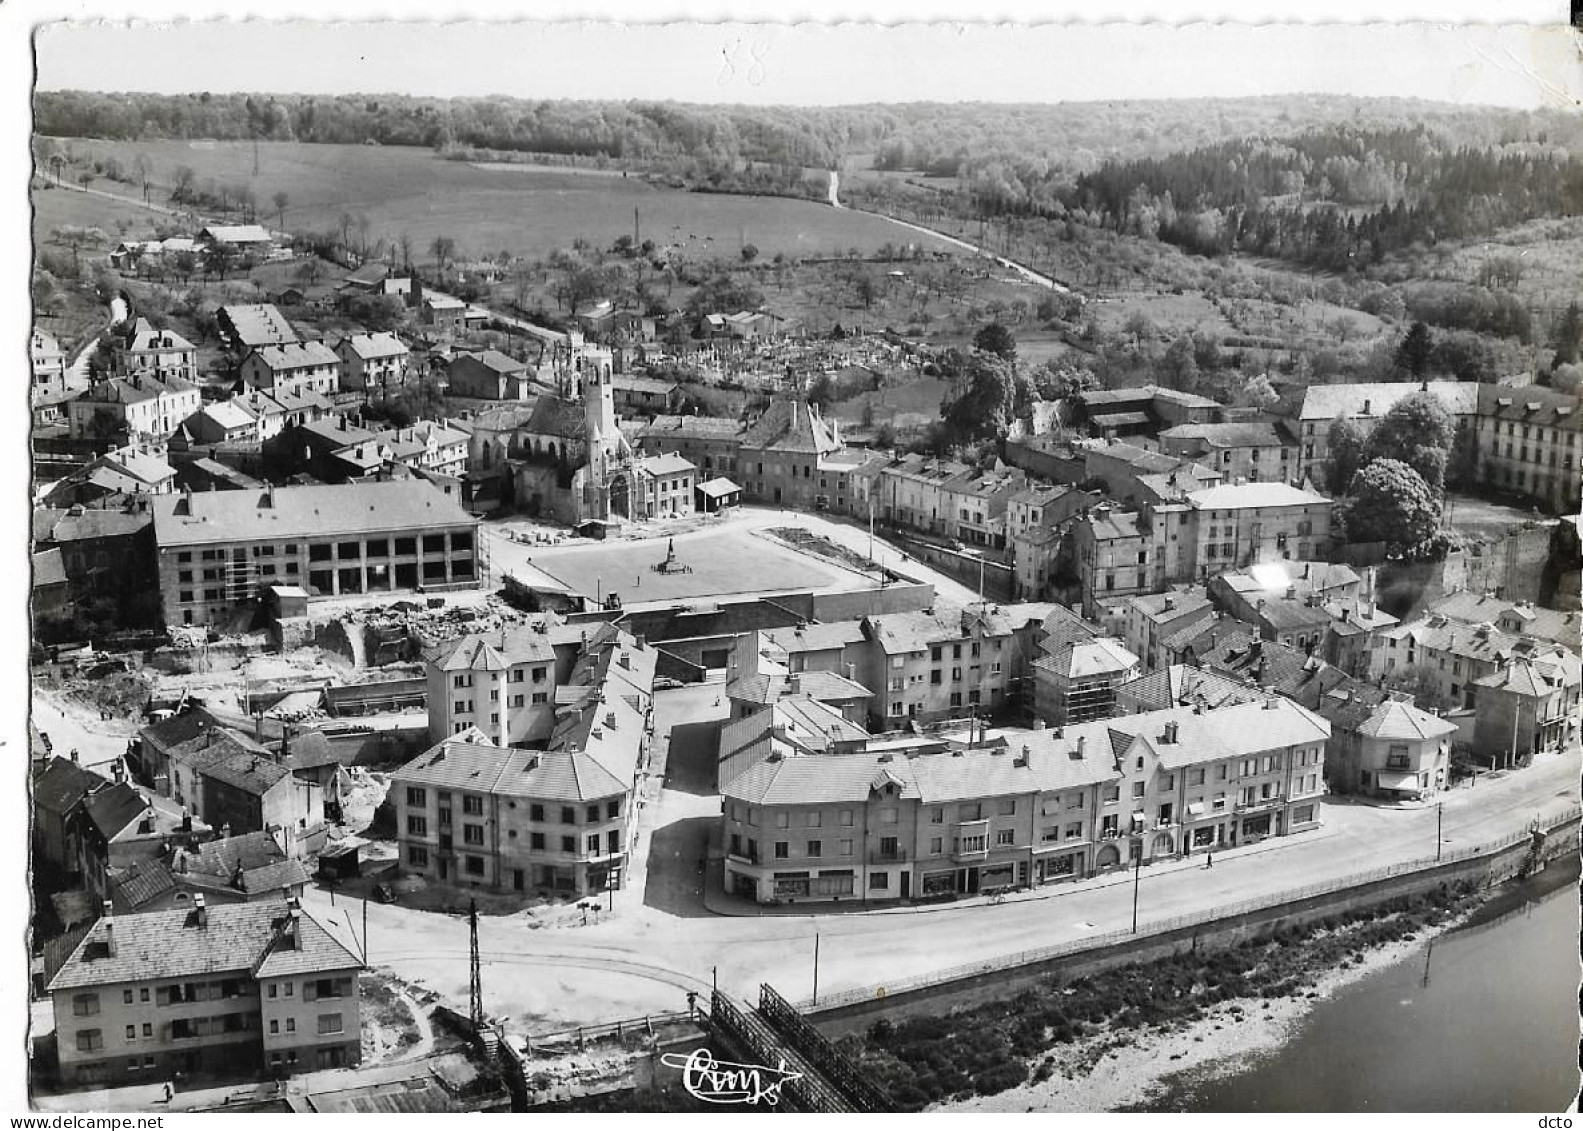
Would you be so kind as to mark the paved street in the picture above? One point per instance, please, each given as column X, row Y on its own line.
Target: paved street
column 661, row 941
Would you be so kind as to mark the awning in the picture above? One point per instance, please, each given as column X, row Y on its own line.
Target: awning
column 1399, row 781
column 1195, row 809
column 1139, row 818
column 719, row 487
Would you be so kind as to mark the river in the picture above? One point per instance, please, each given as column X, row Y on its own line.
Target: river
column 1484, row 1018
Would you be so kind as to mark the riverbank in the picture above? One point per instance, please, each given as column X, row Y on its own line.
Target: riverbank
column 1103, row 1042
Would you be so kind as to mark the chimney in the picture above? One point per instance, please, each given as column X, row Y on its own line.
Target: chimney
column 294, row 927
column 610, row 719
column 1170, row 602
column 74, row 755
column 1269, row 704
column 1170, row 732
column 258, row 726
column 794, row 683
column 109, row 929
column 201, row 909
column 1366, row 404
column 225, row 831
column 1082, row 745
column 1027, row 756
column 118, row 770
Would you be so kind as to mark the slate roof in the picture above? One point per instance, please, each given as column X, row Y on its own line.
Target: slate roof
column 817, row 780
column 61, row 784
column 129, row 390
column 257, row 324
column 494, row 360
column 1529, row 405
column 920, row 629
column 1107, row 525
column 237, row 233
column 1160, row 607
column 349, row 510
column 111, row 808
column 144, row 337
column 250, row 773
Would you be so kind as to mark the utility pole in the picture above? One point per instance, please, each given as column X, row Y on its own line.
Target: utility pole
column 475, row 988
column 1137, row 871
column 634, row 229
column 365, row 930
column 816, row 968
column 1439, row 813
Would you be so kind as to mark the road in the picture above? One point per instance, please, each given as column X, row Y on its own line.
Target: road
column 1010, row 264
column 77, row 374
column 655, row 945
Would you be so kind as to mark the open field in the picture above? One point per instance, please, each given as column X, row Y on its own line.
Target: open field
column 912, row 404
column 728, row 560
column 519, row 209
column 60, row 207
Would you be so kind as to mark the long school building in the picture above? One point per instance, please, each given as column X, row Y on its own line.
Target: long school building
column 1053, row 805
column 221, row 549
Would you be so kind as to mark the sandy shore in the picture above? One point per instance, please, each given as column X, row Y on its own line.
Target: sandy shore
column 1128, row 1064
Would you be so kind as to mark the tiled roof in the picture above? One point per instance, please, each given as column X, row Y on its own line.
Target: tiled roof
column 1159, row 607
column 257, row 324
column 370, row 346
column 237, row 233
column 1242, row 496
column 1326, row 402
column 1190, row 631
column 49, row 568
column 790, row 425
column 555, row 417
column 224, row 856
column 817, row 637
column 141, row 883
column 494, row 651
column 1106, row 525
column 144, row 337
column 250, row 773
column 710, row 427
column 1180, row 685
column 134, row 390
column 820, row 780
column 296, row 355
column 494, row 360
column 1239, row 435
column 1478, row 608
column 1285, row 613
column 666, row 465
column 348, row 510
column 1395, row 719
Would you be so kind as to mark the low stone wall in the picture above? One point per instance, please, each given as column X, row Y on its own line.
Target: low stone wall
column 1218, row 934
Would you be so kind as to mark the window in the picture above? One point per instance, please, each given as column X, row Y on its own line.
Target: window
column 591, row 844
column 274, row 1027
column 1112, row 794
column 1137, row 788
column 568, row 815
column 417, row 826
column 612, row 810
column 417, row 857
column 85, row 1005
column 936, row 816
column 329, row 1023
column 782, row 849
column 1005, row 837
column 131, row 1032
column 816, row 848
column 540, row 697
column 91, row 1040
column 1006, row 806
column 782, row 820
column 536, row 841
column 126, row 997
column 568, row 844
column 473, row 834
column 535, row 812
column 416, row 796
column 473, row 865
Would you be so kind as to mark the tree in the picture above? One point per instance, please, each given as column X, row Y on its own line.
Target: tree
column 996, row 339
column 144, row 168
column 221, row 258
column 1257, row 392
column 1422, row 682
column 1180, row 366
column 376, row 312
column 720, row 293
column 281, row 200
column 1063, row 381
column 1418, row 431
column 1567, row 378
column 443, row 248
column 181, row 183
column 1347, row 442
column 363, row 226
column 1391, row 503
column 183, row 264
column 821, row 390
column 992, row 394
column 1567, row 338
column 310, row 270
column 750, row 252
column 1412, row 355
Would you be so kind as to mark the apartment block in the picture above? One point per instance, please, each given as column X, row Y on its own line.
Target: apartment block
column 219, row 550
column 199, row 990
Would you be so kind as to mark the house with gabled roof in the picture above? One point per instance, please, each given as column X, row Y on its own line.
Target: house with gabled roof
column 207, row 990
column 292, row 367
column 372, row 361
column 59, row 786
column 1395, row 752
column 472, row 812
column 1026, row 807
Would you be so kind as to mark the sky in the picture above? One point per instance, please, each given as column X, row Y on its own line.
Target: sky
column 809, row 63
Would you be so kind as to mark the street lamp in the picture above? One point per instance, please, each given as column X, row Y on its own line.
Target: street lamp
column 1137, row 872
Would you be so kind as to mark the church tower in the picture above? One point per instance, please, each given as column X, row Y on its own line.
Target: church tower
column 599, row 414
